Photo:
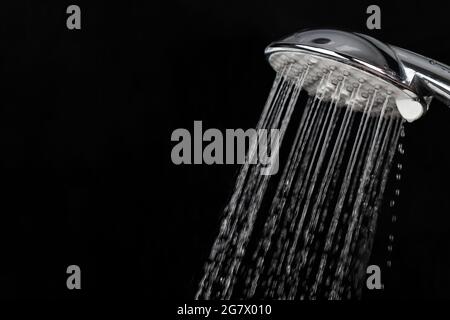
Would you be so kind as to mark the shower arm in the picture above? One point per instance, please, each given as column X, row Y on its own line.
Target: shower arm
column 426, row 73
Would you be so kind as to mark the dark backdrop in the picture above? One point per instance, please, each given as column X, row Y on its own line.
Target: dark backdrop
column 85, row 124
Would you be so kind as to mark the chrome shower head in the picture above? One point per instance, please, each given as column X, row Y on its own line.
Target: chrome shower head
column 400, row 82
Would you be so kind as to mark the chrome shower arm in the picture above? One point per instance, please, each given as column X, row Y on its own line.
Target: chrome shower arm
column 425, row 73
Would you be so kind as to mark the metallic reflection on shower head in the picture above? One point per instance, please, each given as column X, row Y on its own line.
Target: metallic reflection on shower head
column 398, row 80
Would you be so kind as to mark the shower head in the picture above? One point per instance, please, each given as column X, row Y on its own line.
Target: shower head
column 396, row 81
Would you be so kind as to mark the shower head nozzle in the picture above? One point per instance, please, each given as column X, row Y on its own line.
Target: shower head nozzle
column 396, row 81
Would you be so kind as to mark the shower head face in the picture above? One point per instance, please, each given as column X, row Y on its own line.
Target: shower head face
column 363, row 70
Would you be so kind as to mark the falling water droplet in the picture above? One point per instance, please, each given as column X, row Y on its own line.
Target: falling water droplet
column 397, row 192
column 399, row 166
column 391, row 237
column 392, row 203
column 394, row 218
column 400, row 149
column 389, row 248
column 398, row 176
column 389, row 263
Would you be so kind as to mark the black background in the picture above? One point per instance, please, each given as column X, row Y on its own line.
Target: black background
column 85, row 125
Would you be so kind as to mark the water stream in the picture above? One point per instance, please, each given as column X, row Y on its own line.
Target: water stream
column 311, row 236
